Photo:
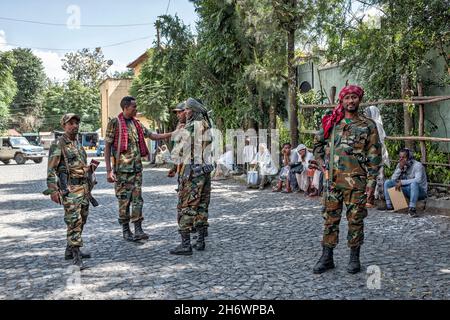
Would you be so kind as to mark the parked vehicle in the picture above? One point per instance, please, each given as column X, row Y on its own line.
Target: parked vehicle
column 19, row 149
column 100, row 148
column 33, row 138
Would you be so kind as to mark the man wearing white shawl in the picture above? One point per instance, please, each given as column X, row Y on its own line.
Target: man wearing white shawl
column 372, row 112
column 310, row 178
column 266, row 168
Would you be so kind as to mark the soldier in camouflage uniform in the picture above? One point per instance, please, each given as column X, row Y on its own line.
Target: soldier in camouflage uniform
column 352, row 171
column 181, row 116
column 195, row 183
column 125, row 142
column 67, row 184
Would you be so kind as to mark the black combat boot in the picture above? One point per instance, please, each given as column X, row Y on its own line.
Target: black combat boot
column 69, row 256
column 325, row 262
column 77, row 260
column 354, row 266
column 127, row 234
column 200, row 244
column 139, row 234
column 184, row 248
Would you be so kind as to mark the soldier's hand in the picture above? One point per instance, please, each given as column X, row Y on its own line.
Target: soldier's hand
column 56, row 197
column 171, row 174
column 111, row 177
column 369, row 192
column 398, row 186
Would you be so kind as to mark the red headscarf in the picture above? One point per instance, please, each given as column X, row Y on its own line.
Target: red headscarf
column 329, row 120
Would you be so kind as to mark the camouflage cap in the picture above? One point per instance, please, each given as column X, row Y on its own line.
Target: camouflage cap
column 67, row 117
column 195, row 106
column 180, row 107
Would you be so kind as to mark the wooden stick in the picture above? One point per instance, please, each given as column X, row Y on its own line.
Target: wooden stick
column 439, row 185
column 412, row 138
column 430, row 164
column 415, row 138
column 394, row 101
column 423, row 150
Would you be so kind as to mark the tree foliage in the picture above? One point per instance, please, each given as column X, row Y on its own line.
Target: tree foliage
column 160, row 84
column 72, row 97
column 26, row 108
column 393, row 45
column 88, row 67
column 8, row 87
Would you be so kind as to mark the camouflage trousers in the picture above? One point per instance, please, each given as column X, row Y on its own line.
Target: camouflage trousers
column 355, row 202
column 193, row 201
column 76, row 210
column 129, row 193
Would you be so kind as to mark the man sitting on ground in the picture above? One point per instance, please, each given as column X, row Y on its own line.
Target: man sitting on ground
column 411, row 178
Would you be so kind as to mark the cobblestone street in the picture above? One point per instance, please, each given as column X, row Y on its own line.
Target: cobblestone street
column 261, row 245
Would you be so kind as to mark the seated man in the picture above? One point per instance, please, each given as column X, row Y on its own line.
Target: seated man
column 288, row 158
column 410, row 176
column 266, row 169
column 310, row 177
column 224, row 164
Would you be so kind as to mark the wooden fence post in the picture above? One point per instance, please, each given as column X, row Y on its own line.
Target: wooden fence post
column 423, row 150
column 407, row 125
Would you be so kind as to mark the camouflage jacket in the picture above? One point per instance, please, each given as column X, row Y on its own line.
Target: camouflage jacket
column 130, row 160
column 200, row 144
column 357, row 153
column 76, row 159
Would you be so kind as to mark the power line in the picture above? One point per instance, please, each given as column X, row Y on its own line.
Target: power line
column 75, row 49
column 168, row 4
column 81, row 26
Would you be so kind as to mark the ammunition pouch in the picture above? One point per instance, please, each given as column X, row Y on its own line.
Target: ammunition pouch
column 197, row 170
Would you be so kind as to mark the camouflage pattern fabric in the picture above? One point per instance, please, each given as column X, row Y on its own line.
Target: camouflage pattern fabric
column 76, row 211
column 194, row 192
column 130, row 160
column 128, row 172
column 355, row 202
column 193, row 202
column 76, row 202
column 357, row 155
column 128, row 189
column 357, row 159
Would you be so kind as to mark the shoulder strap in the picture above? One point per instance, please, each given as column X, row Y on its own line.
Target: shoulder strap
column 332, row 146
column 116, row 163
column 64, row 153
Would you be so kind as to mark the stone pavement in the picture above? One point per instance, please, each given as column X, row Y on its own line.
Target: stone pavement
column 261, row 245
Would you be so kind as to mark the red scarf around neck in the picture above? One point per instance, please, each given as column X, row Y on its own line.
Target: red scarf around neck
column 124, row 136
column 329, row 120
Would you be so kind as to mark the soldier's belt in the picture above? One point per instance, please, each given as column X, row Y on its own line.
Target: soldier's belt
column 196, row 170
column 77, row 181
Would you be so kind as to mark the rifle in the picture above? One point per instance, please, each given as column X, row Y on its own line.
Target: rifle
column 64, row 177
column 92, row 181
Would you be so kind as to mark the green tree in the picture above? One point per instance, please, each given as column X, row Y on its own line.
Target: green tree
column 8, row 87
column 217, row 64
column 267, row 70
column 160, row 84
column 74, row 97
column 86, row 66
column 123, row 74
column 26, row 108
column 392, row 49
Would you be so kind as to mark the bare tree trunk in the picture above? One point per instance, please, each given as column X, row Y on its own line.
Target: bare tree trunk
column 273, row 113
column 293, row 120
column 333, row 94
column 423, row 150
column 408, row 124
column 261, row 109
